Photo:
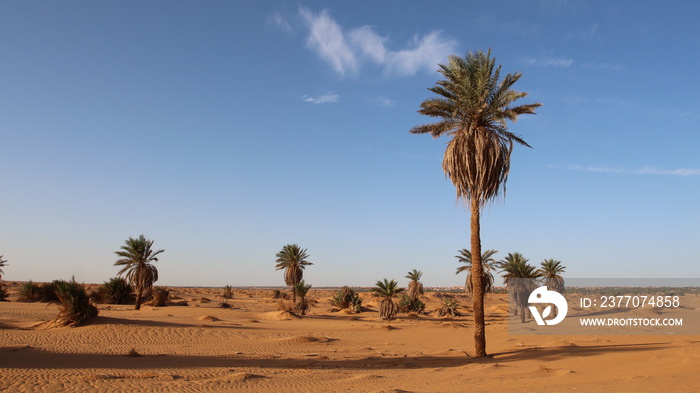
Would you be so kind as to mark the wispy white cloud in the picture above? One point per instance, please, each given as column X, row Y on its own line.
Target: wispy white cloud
column 281, row 22
column 326, row 38
column 547, row 61
column 384, row 102
column 602, row 66
column 425, row 53
column 638, row 171
column 322, row 99
column 347, row 49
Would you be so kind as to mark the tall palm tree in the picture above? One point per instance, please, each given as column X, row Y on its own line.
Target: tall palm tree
column 387, row 290
column 521, row 279
column 136, row 255
column 3, row 262
column 473, row 106
column 488, row 263
column 551, row 270
column 292, row 258
column 415, row 287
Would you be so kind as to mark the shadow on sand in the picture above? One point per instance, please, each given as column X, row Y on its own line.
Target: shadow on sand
column 31, row 358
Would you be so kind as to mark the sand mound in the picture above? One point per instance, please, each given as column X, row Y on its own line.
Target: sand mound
column 241, row 377
column 208, row 318
column 278, row 315
column 366, row 377
column 306, row 339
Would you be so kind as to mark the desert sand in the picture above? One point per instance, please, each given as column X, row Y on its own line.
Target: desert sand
column 254, row 347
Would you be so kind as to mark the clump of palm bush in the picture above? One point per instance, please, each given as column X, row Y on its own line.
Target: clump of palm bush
column 160, row 296
column 448, row 307
column 345, row 298
column 356, row 304
column 227, row 292
column 74, row 304
column 302, row 305
column 3, row 292
column 29, row 292
column 48, row 291
column 407, row 304
column 114, row 291
column 387, row 291
column 44, row 292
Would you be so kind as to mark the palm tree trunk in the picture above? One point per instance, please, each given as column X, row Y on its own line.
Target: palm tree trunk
column 477, row 280
column 139, row 293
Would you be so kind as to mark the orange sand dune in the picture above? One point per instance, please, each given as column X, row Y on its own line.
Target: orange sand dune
column 253, row 347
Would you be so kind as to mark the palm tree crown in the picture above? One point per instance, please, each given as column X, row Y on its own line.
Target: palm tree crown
column 551, row 270
column 136, row 256
column 488, row 263
column 473, row 107
column 386, row 289
column 515, row 265
column 521, row 279
column 292, row 258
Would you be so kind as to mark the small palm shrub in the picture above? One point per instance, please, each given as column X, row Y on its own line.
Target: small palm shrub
column 29, row 292
column 160, row 296
column 302, row 305
column 387, row 290
column 407, row 304
column 114, row 291
column 227, row 292
column 356, row 304
column 3, row 292
column 75, row 306
column 448, row 307
column 48, row 290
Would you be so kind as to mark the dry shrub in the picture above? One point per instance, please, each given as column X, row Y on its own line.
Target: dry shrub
column 160, row 296
column 285, row 305
column 224, row 304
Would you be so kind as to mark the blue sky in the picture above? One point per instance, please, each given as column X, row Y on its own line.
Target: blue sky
column 225, row 130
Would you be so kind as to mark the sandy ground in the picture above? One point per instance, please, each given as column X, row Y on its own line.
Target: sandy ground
column 253, row 347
